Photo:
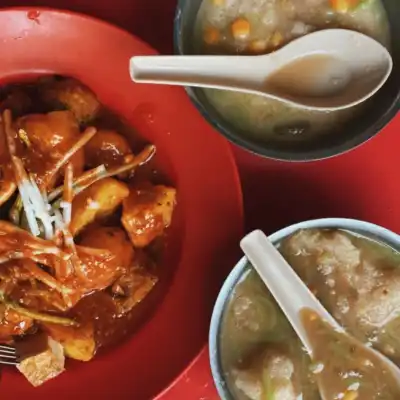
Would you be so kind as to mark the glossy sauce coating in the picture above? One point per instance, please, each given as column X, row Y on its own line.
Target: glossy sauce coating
column 101, row 282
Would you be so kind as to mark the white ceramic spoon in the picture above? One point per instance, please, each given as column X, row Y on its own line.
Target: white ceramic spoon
column 329, row 69
column 291, row 293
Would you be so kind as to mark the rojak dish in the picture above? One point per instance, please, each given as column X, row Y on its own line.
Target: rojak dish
column 84, row 215
column 357, row 280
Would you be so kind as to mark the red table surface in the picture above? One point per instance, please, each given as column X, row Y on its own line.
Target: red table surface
column 361, row 184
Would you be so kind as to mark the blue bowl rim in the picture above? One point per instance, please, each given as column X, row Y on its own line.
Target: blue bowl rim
column 368, row 229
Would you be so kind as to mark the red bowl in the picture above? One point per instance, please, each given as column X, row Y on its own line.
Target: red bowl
column 208, row 219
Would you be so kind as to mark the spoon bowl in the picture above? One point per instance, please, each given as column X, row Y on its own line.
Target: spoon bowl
column 329, row 70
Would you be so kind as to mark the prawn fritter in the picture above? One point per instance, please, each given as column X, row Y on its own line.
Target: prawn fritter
column 112, row 239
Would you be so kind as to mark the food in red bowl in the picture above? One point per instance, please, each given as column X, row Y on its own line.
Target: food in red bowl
column 119, row 212
column 85, row 213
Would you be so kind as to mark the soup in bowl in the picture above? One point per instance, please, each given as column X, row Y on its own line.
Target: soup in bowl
column 353, row 269
column 268, row 126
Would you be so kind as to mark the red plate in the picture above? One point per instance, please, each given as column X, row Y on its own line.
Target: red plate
column 208, row 221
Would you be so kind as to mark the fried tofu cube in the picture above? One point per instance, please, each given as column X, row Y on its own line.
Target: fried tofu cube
column 107, row 147
column 73, row 96
column 113, row 239
column 78, row 343
column 147, row 212
column 46, row 365
column 44, row 139
column 132, row 287
column 97, row 201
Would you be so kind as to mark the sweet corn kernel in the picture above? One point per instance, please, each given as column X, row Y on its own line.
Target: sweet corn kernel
column 240, row 28
column 211, row 35
column 258, row 46
column 350, row 395
column 313, row 316
column 276, row 39
column 344, row 6
column 218, row 2
column 340, row 5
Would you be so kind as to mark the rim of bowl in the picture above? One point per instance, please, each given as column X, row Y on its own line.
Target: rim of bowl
column 368, row 229
column 262, row 150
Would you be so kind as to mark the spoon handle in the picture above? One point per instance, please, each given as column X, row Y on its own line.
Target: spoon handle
column 288, row 289
column 220, row 72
